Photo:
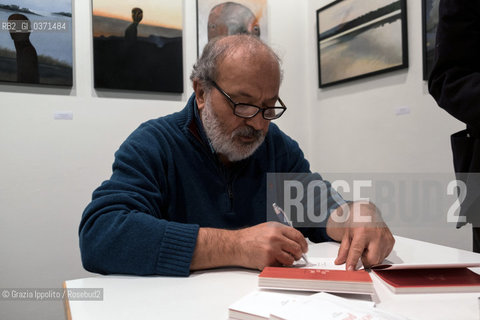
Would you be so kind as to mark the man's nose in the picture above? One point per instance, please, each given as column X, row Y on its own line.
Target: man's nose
column 257, row 122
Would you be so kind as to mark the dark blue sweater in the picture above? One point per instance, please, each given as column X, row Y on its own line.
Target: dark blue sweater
column 166, row 183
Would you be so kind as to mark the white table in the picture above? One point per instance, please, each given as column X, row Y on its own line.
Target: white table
column 207, row 294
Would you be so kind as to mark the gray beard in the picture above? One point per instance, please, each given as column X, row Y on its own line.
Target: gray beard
column 229, row 145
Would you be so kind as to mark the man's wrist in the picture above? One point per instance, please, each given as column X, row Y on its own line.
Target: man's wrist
column 215, row 248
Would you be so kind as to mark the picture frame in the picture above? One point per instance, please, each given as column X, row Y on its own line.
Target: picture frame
column 138, row 45
column 358, row 39
column 223, row 17
column 429, row 31
column 36, row 43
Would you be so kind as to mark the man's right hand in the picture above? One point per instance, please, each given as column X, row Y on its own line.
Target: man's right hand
column 270, row 244
column 266, row 244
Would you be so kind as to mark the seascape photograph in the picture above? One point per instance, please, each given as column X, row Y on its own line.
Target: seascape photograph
column 358, row 38
column 42, row 52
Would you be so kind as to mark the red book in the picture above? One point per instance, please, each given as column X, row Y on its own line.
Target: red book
column 430, row 280
column 316, row 280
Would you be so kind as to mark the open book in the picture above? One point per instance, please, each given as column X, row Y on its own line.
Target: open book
column 400, row 266
column 430, row 280
column 328, row 263
column 429, row 277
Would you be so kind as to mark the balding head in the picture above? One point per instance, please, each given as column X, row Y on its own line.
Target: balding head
column 246, row 48
column 232, row 18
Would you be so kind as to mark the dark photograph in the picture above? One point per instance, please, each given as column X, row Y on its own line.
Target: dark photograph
column 137, row 45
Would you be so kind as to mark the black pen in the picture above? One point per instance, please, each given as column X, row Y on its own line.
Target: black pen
column 283, row 218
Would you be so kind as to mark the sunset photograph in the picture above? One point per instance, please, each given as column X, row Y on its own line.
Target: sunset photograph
column 138, row 45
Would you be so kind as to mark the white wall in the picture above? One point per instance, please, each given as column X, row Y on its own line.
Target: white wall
column 354, row 128
column 49, row 168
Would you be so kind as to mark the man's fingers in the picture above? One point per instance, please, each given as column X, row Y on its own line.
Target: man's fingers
column 356, row 251
column 390, row 243
column 343, row 250
column 378, row 250
column 372, row 255
column 285, row 258
column 293, row 248
column 297, row 237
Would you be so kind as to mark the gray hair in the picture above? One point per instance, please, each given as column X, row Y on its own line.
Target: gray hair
column 206, row 68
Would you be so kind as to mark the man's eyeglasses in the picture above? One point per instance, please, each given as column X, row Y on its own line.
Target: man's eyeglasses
column 247, row 111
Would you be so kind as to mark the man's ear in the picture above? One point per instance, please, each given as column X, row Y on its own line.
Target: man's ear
column 200, row 94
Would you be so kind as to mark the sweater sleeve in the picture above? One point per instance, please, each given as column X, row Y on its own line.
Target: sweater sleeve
column 455, row 78
column 298, row 168
column 123, row 230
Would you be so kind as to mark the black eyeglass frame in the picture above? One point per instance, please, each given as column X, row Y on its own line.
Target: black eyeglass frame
column 235, row 104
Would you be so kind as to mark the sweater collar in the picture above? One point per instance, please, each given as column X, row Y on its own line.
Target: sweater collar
column 195, row 125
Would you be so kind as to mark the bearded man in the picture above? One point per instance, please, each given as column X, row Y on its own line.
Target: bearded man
column 188, row 190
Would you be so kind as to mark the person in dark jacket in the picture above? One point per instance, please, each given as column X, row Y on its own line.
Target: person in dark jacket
column 455, row 85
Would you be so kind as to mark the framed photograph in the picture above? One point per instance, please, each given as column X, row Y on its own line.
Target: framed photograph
column 219, row 17
column 358, row 38
column 137, row 45
column 430, row 23
column 36, row 42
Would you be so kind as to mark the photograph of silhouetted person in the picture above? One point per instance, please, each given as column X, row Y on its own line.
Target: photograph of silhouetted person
column 132, row 30
column 230, row 18
column 26, row 55
column 36, row 44
column 139, row 46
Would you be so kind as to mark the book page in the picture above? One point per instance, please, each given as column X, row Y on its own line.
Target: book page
column 260, row 303
column 400, row 266
column 329, row 307
column 323, row 263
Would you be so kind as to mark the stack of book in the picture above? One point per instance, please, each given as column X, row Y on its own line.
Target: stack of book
column 287, row 293
column 358, row 282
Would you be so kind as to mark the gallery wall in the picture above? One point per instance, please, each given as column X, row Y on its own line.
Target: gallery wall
column 50, row 167
column 383, row 124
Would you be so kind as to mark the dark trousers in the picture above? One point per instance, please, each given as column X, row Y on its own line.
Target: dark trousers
column 476, row 239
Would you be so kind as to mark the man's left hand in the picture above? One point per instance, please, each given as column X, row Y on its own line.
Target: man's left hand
column 363, row 234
